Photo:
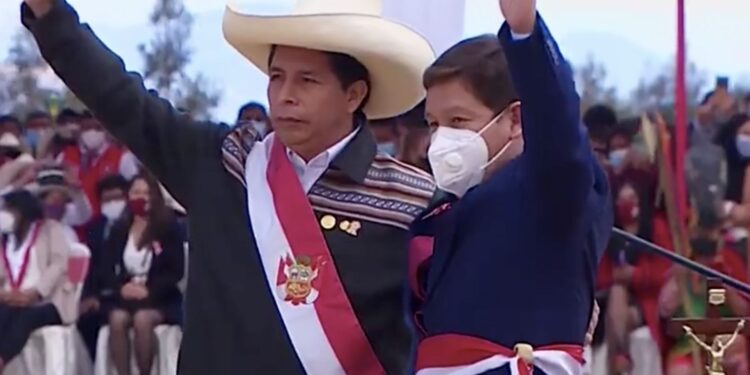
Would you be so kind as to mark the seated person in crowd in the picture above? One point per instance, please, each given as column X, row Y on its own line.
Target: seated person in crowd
column 112, row 192
column 62, row 197
column 32, row 274
column 632, row 280
column 142, row 262
column 95, row 157
column 708, row 249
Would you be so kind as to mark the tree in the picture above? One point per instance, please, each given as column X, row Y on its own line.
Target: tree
column 656, row 92
column 21, row 84
column 167, row 56
column 590, row 79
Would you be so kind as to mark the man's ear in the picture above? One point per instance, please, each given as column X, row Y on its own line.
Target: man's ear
column 355, row 94
column 516, row 126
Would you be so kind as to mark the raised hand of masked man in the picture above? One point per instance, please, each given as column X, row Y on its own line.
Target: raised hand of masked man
column 39, row 7
column 519, row 14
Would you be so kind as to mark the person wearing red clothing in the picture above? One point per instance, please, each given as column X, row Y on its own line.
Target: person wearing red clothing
column 94, row 157
column 633, row 279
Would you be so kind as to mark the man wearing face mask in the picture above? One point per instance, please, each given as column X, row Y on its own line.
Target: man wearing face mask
column 112, row 193
column 254, row 114
column 95, row 157
column 515, row 249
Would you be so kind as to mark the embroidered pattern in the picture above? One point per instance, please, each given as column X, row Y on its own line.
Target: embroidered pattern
column 393, row 193
column 235, row 148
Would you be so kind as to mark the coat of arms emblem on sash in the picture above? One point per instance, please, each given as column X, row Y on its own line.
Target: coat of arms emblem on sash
column 296, row 277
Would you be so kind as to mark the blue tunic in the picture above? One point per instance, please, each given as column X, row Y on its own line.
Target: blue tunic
column 515, row 259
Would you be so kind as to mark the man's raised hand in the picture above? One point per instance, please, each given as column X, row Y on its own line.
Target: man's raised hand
column 40, row 7
column 519, row 14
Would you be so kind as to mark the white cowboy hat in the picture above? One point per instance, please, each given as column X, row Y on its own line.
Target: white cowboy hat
column 395, row 55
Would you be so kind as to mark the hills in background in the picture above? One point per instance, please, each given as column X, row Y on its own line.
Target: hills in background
column 240, row 82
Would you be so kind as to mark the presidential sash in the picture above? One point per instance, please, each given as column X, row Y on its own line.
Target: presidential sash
column 300, row 270
column 454, row 354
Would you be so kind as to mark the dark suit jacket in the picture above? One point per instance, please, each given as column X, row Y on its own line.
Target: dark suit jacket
column 232, row 323
column 515, row 259
column 96, row 234
column 167, row 266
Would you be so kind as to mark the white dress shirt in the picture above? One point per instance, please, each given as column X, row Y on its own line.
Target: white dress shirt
column 310, row 172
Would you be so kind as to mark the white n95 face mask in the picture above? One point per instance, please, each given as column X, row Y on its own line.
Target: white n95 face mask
column 458, row 157
column 7, row 222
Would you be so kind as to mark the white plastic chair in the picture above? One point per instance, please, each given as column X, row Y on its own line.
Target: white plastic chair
column 644, row 354
column 169, row 338
column 165, row 363
column 58, row 350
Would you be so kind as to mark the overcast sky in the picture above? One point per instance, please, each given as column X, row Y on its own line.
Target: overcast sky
column 718, row 30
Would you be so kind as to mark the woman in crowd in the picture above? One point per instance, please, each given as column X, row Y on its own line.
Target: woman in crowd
column 633, row 279
column 32, row 274
column 735, row 139
column 142, row 262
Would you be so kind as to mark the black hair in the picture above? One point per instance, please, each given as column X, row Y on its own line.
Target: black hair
column 36, row 115
column 28, row 208
column 347, row 70
column 599, row 121
column 67, row 115
column 252, row 105
column 9, row 118
column 112, row 182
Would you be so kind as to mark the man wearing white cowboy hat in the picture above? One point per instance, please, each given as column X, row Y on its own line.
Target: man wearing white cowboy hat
column 298, row 240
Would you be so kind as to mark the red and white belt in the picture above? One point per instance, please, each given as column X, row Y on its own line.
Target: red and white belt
column 453, row 354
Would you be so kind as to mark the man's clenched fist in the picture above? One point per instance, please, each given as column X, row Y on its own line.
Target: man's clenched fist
column 39, row 7
column 519, row 14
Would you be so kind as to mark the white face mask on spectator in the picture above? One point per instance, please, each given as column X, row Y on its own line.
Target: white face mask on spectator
column 112, row 210
column 93, row 139
column 7, row 222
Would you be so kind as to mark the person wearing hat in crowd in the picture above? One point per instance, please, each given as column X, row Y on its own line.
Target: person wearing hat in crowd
column 10, row 148
column 62, row 198
column 509, row 285
column 298, row 241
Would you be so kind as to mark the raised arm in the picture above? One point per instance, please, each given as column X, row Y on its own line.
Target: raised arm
column 555, row 145
column 166, row 141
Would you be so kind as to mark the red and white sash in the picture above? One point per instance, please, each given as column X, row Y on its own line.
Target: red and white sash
column 30, row 241
column 452, row 354
column 300, row 270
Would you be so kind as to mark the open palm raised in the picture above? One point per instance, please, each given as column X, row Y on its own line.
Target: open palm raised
column 520, row 14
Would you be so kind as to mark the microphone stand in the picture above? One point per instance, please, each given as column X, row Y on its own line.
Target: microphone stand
column 644, row 245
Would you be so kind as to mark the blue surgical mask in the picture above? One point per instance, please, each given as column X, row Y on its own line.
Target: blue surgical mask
column 32, row 138
column 743, row 145
column 617, row 157
column 387, row 148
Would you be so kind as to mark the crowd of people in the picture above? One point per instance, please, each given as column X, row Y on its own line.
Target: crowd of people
column 67, row 183
column 474, row 188
column 639, row 292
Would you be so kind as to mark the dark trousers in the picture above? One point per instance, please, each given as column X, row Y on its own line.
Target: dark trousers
column 89, row 325
column 17, row 324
